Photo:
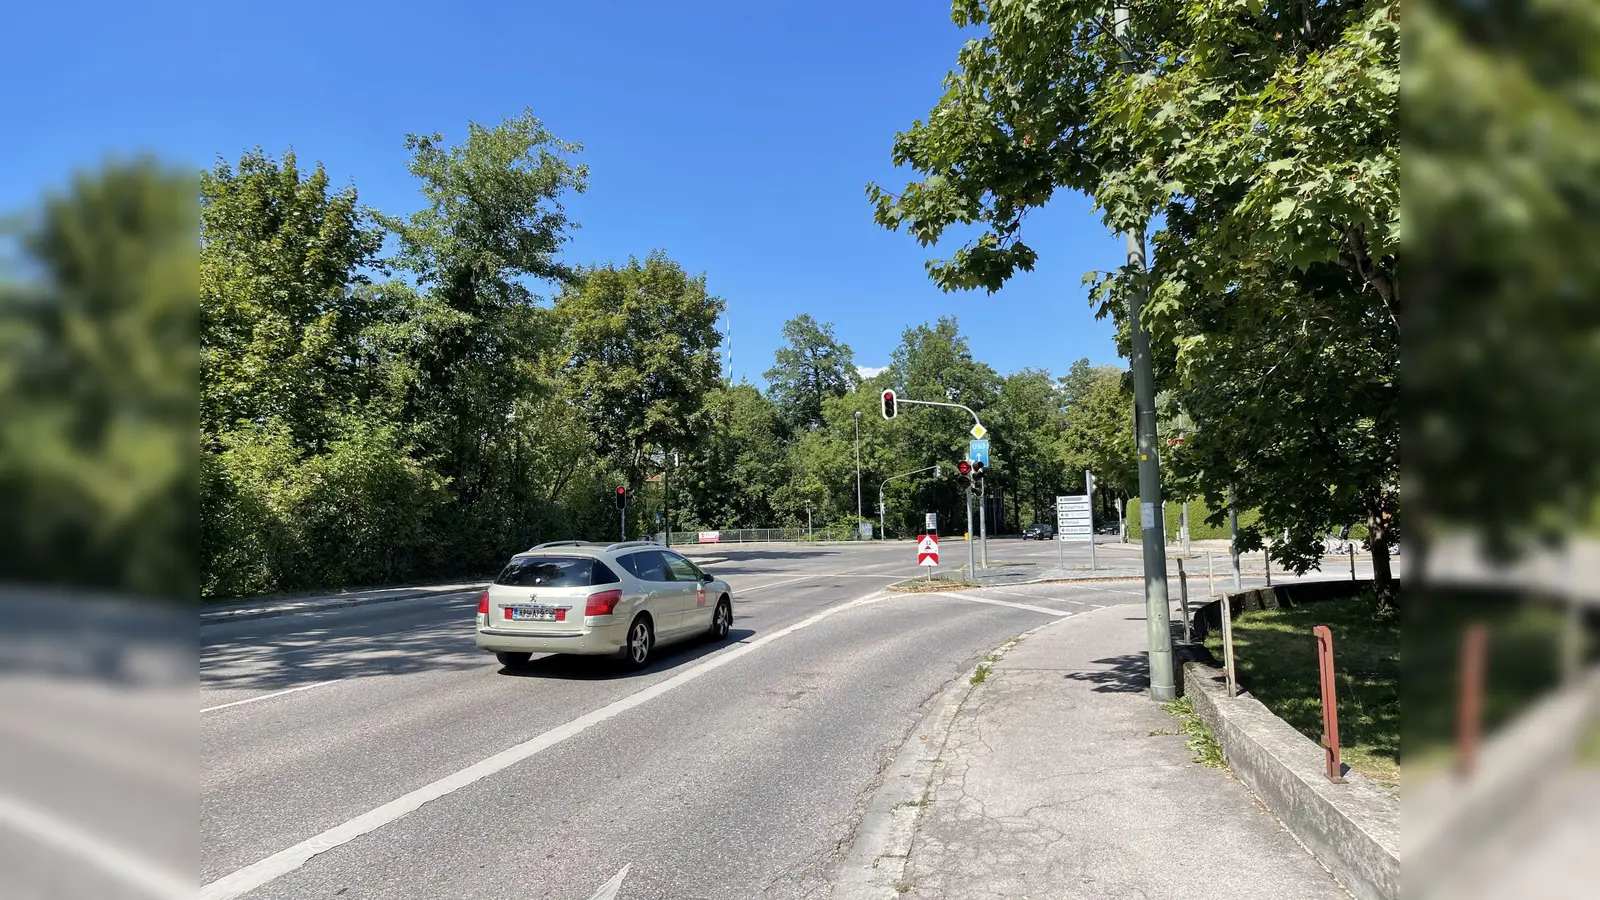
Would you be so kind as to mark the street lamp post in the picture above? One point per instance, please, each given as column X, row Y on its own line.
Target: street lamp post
column 858, row 469
column 934, row 469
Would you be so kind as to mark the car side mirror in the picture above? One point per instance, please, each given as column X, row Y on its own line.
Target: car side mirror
column 707, row 577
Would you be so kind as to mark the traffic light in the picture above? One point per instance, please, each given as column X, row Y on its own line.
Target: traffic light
column 622, row 498
column 889, row 404
column 977, row 475
column 964, row 473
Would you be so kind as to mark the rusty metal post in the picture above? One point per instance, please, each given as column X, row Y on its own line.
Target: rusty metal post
column 1469, row 708
column 1183, row 598
column 1330, row 703
column 1227, row 645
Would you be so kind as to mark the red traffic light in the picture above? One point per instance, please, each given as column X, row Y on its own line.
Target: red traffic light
column 621, row 490
column 964, row 467
column 890, row 404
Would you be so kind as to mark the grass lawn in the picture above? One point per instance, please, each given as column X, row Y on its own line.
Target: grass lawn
column 1276, row 660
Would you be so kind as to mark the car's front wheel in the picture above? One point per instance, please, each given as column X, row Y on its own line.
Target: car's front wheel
column 512, row 660
column 641, row 642
column 722, row 620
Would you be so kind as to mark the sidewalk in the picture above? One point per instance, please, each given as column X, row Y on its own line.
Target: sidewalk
column 1052, row 785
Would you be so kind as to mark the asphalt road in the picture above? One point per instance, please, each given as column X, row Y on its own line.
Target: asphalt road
column 375, row 752
column 739, row 773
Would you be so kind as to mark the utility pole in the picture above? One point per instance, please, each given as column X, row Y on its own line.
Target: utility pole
column 972, row 559
column 1157, row 619
column 983, row 521
column 858, row 470
column 666, row 499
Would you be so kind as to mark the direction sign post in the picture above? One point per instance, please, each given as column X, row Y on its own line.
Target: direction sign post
column 931, row 525
column 978, row 452
column 1075, row 522
column 928, row 552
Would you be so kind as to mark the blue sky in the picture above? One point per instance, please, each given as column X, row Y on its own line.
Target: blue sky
column 738, row 137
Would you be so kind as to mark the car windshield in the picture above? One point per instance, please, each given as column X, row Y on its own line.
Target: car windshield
column 548, row 571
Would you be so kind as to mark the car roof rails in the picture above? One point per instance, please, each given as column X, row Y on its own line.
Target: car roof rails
column 621, row 545
column 548, row 544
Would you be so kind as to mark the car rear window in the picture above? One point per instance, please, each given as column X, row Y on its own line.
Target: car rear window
column 555, row 571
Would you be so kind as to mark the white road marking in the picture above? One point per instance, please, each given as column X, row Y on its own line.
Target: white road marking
column 1058, row 613
column 608, row 891
column 148, row 877
column 285, row 861
column 303, row 687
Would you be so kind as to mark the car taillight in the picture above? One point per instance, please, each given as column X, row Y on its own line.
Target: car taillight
column 483, row 603
column 603, row 603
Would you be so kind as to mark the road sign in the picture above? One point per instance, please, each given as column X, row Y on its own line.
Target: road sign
column 1074, row 519
column 928, row 551
column 866, row 531
column 978, row 451
column 931, row 525
column 978, row 431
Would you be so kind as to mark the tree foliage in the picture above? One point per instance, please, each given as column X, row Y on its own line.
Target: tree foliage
column 810, row 367
column 1263, row 142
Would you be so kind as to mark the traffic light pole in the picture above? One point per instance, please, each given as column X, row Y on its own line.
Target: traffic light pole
column 1157, row 618
column 972, row 560
column 983, row 524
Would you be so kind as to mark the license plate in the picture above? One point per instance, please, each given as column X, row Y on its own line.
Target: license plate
column 531, row 613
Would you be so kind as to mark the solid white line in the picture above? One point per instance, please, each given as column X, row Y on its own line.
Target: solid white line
column 1058, row 613
column 285, row 861
column 608, row 891
column 303, row 687
column 148, row 877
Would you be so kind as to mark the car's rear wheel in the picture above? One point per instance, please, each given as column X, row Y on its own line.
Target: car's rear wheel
column 641, row 643
column 722, row 620
column 512, row 660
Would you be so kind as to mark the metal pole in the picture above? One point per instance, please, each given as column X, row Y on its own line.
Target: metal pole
column 1088, row 490
column 1266, row 558
column 1233, row 542
column 1185, row 526
column 1183, row 599
column 1226, row 606
column 972, row 562
column 858, row 470
column 666, row 500
column 983, row 522
column 882, row 535
column 623, row 529
column 1159, row 633
column 811, row 535
column 1211, row 575
column 1158, row 630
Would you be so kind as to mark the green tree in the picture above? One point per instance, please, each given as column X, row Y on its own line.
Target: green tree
column 1026, row 448
column 1264, row 138
column 641, row 341
column 97, row 385
column 734, row 475
column 809, row 368
column 280, row 317
column 1099, row 432
column 470, row 344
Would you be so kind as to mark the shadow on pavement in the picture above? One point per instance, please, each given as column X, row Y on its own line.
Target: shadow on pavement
column 277, row 656
column 1121, row 675
column 603, row 668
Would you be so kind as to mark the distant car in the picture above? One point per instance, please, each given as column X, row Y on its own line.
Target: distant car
column 1038, row 531
column 625, row 599
column 1108, row 528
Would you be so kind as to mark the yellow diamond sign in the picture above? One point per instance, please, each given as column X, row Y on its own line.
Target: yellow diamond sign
column 978, row 431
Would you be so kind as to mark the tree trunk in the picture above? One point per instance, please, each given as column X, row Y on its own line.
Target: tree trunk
column 1382, row 575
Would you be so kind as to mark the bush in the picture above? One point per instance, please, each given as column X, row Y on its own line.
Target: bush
column 1198, row 529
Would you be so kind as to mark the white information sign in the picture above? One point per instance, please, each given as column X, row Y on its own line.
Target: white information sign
column 1074, row 519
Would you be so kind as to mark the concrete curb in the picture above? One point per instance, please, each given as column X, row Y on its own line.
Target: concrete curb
column 247, row 615
column 1353, row 829
column 1449, row 820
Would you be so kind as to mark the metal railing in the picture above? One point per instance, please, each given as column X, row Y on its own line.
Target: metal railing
column 836, row 532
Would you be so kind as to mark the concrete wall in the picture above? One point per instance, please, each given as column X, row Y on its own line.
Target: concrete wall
column 1352, row 828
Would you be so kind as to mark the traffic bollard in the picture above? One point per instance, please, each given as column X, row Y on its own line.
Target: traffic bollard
column 1469, row 705
column 1183, row 598
column 1330, row 703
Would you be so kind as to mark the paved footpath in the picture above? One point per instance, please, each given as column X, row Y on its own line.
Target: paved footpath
column 1056, row 782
